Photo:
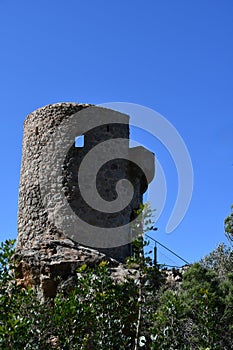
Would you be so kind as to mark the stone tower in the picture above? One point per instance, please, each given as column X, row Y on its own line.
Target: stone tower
column 45, row 251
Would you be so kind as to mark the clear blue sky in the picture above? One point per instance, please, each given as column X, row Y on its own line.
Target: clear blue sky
column 175, row 57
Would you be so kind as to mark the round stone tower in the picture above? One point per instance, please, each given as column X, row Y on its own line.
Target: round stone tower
column 44, row 249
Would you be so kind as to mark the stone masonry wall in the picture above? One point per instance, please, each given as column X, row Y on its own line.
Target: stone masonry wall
column 33, row 221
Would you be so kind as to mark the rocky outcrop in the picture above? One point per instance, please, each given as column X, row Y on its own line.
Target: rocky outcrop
column 174, row 276
column 51, row 265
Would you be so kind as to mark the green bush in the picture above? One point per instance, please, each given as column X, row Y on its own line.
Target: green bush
column 138, row 313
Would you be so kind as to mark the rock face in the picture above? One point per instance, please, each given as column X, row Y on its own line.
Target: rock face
column 46, row 255
column 174, row 276
column 52, row 265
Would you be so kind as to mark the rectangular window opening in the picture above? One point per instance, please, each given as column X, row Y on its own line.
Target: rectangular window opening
column 79, row 141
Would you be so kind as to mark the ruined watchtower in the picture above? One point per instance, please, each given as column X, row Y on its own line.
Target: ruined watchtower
column 45, row 249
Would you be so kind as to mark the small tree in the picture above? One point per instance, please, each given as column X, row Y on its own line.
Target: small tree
column 220, row 260
column 228, row 225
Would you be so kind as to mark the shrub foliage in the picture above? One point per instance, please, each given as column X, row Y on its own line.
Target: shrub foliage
column 139, row 313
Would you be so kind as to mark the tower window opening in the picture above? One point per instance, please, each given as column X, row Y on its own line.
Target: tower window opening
column 79, row 141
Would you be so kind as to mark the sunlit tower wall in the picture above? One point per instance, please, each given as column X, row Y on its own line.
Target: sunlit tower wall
column 35, row 230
